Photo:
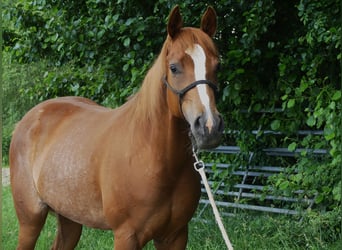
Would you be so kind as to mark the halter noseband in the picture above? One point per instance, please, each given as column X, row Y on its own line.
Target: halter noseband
column 181, row 93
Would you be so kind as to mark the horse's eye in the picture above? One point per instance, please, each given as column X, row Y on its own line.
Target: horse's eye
column 173, row 68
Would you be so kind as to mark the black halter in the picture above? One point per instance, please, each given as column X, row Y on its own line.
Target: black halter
column 182, row 92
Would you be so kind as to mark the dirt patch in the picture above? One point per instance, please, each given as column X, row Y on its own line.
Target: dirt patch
column 5, row 176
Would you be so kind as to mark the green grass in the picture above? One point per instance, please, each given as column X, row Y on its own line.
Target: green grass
column 246, row 231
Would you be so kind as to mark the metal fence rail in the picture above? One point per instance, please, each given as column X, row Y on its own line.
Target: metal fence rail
column 247, row 193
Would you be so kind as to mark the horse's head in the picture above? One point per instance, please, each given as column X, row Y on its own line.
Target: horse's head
column 192, row 61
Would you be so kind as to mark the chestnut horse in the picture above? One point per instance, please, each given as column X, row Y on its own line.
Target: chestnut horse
column 128, row 169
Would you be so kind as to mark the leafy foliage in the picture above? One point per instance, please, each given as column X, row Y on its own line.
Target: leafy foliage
column 280, row 71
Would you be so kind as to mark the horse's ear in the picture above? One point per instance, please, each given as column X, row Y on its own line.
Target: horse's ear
column 209, row 21
column 175, row 22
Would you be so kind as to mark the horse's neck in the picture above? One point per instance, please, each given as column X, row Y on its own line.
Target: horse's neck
column 171, row 141
column 158, row 128
column 151, row 114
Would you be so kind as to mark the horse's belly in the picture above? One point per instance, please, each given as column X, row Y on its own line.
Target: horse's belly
column 66, row 180
column 77, row 201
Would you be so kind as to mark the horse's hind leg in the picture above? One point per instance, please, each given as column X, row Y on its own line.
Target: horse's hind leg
column 68, row 234
column 29, row 228
column 31, row 213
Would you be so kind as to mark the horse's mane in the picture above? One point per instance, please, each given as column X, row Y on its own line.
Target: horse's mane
column 151, row 98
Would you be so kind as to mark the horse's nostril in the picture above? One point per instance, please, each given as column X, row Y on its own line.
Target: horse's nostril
column 198, row 122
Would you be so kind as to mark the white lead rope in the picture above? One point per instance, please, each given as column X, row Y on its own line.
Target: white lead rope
column 199, row 167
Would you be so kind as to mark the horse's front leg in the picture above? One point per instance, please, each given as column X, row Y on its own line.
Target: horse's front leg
column 126, row 240
column 176, row 242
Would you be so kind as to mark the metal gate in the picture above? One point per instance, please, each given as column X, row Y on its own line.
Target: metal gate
column 247, row 184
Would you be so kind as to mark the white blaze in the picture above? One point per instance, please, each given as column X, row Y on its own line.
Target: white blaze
column 198, row 56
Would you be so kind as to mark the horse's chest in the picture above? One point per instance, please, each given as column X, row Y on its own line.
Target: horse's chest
column 163, row 205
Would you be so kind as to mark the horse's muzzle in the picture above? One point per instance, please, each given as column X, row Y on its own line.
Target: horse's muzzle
column 207, row 132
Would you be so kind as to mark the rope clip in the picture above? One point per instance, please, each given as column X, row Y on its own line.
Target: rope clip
column 199, row 165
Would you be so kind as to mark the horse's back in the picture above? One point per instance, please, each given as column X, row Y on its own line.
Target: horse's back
column 39, row 125
column 53, row 110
